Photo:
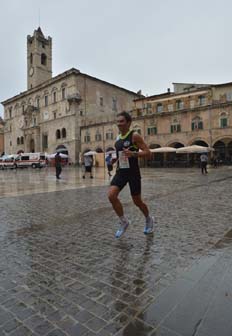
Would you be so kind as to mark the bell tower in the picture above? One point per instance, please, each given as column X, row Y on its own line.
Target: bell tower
column 39, row 58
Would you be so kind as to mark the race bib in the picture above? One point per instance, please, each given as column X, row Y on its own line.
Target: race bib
column 123, row 160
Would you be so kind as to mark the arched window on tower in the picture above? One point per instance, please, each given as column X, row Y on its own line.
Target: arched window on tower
column 63, row 132
column 43, row 59
column 58, row 134
column 31, row 58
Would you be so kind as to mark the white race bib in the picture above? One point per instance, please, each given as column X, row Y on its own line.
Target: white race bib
column 123, row 160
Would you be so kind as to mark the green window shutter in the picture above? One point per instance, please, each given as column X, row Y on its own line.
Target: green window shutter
column 193, row 126
column 171, row 128
column 155, row 130
column 200, row 125
column 148, row 131
column 178, row 128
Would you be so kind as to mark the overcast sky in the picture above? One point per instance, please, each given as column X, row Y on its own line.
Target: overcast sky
column 135, row 44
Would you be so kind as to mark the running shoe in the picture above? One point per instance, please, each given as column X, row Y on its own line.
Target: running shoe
column 149, row 226
column 122, row 229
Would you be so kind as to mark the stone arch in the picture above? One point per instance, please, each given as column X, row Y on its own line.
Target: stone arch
column 153, row 146
column 175, row 144
column 99, row 150
column 200, row 143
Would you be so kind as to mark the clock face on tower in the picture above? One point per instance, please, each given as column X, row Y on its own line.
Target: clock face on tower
column 31, row 71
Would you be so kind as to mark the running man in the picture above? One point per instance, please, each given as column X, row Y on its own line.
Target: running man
column 127, row 147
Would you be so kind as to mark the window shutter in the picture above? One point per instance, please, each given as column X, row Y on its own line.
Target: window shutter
column 171, row 128
column 178, row 128
column 192, row 126
column 200, row 125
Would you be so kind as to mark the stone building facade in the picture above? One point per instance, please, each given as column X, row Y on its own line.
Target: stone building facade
column 1, row 136
column 191, row 114
column 54, row 110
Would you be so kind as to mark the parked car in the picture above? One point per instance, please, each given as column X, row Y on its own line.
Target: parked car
column 34, row 160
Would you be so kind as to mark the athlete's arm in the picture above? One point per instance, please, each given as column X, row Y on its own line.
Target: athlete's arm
column 139, row 142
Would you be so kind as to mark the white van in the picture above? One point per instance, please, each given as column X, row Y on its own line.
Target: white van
column 34, row 160
column 8, row 162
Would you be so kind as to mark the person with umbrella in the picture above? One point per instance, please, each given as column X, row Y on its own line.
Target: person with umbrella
column 127, row 147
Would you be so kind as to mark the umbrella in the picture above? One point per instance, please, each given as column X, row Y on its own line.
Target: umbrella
column 110, row 152
column 194, row 149
column 163, row 150
column 52, row 156
column 90, row 153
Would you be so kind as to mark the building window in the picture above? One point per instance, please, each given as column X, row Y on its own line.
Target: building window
column 114, row 104
column 197, row 124
column 34, row 121
column 46, row 100
column 223, row 121
column 87, row 137
column 175, row 127
column 31, row 58
column 38, row 102
column 63, row 93
column 63, row 133
column 58, row 134
column 170, row 108
column 43, row 59
column 101, row 101
column 54, row 97
column 151, row 130
column 179, row 104
column 81, row 113
column 54, row 115
column 98, row 137
column 201, row 100
column 149, row 108
column 18, row 141
column 109, row 135
column 22, row 140
column 23, row 108
column 10, row 143
column 192, row 104
column 229, row 96
column 159, row 108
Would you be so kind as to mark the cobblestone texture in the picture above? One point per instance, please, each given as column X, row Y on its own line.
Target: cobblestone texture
column 63, row 273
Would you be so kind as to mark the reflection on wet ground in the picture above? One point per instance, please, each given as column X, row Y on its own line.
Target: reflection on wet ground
column 63, row 273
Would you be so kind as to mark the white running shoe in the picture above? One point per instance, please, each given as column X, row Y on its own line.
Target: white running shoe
column 122, row 229
column 149, row 226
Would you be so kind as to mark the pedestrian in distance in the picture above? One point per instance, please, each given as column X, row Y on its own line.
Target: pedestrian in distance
column 127, row 146
column 109, row 164
column 88, row 163
column 204, row 161
column 58, row 165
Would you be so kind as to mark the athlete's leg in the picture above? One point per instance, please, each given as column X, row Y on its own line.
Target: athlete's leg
column 114, row 200
column 137, row 199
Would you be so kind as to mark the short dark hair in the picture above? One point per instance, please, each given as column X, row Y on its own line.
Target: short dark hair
column 126, row 115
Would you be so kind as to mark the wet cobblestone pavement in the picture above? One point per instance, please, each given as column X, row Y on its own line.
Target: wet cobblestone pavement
column 63, row 273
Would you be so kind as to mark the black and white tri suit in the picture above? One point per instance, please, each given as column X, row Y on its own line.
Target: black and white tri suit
column 127, row 168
